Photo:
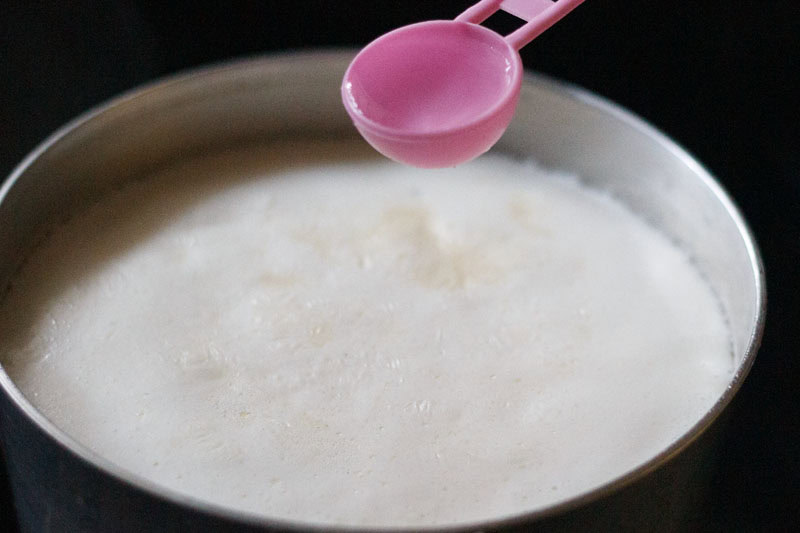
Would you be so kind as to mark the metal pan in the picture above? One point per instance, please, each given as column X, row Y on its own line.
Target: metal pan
column 60, row 485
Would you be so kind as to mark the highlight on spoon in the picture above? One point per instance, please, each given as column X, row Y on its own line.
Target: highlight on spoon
column 439, row 93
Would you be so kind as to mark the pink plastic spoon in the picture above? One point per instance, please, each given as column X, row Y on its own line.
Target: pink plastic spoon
column 439, row 93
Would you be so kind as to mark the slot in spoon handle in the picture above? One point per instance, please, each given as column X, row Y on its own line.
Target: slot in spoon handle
column 539, row 14
column 541, row 21
column 479, row 12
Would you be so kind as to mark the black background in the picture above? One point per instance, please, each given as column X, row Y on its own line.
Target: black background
column 720, row 77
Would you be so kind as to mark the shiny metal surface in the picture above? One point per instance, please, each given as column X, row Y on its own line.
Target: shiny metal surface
column 60, row 485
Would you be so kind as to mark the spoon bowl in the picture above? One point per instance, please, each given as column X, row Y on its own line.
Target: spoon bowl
column 439, row 93
column 434, row 94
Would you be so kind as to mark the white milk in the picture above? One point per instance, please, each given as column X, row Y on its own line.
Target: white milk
column 356, row 342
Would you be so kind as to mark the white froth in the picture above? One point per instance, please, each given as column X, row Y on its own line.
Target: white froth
column 361, row 343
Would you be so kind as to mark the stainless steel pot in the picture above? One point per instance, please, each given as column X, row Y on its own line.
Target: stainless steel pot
column 59, row 485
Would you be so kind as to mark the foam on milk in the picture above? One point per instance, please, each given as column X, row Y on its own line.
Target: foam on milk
column 350, row 341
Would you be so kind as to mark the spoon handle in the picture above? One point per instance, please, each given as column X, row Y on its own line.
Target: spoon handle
column 539, row 14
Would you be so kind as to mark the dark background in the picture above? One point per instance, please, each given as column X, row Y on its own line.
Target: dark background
column 720, row 77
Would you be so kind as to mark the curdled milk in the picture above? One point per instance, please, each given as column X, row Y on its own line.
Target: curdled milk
column 349, row 341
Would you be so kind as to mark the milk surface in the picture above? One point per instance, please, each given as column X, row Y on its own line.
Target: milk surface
column 304, row 333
